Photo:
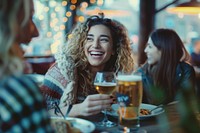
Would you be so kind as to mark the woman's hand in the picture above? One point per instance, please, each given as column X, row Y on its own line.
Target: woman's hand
column 93, row 104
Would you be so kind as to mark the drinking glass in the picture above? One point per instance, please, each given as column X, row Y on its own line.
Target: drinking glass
column 105, row 83
column 129, row 97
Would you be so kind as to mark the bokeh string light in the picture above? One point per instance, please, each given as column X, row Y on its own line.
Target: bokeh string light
column 53, row 16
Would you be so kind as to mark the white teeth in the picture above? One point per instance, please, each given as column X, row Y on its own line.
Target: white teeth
column 96, row 52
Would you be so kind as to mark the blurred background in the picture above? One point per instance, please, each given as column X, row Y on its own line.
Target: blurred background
column 55, row 18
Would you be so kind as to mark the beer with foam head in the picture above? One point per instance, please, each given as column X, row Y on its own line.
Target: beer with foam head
column 129, row 96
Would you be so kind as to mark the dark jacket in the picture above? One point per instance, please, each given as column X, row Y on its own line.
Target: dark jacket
column 185, row 80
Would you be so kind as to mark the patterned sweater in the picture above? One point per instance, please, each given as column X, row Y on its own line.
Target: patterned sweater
column 59, row 84
column 21, row 106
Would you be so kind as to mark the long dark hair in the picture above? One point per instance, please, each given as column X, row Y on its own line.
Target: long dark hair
column 172, row 52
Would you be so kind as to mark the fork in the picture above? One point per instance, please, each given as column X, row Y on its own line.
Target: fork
column 159, row 106
column 162, row 105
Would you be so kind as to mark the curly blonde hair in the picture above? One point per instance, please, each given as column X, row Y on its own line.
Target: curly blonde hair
column 122, row 60
column 10, row 63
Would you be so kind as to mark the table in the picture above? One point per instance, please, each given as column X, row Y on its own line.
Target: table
column 166, row 122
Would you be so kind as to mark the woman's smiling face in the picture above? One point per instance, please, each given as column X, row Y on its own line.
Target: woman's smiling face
column 152, row 52
column 99, row 46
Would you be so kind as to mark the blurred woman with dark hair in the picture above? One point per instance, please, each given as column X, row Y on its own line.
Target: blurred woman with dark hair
column 166, row 71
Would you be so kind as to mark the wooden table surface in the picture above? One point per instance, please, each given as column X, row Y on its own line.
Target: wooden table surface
column 166, row 122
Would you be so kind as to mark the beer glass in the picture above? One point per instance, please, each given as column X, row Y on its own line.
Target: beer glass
column 105, row 83
column 129, row 97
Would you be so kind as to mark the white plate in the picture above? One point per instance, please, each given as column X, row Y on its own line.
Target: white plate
column 84, row 125
column 155, row 112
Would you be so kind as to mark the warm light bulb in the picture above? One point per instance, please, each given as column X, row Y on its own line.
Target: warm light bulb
column 46, row 9
column 73, row 1
column 41, row 17
column 53, row 15
column 72, row 7
column 92, row 1
column 65, row 19
column 100, row 2
column 52, row 3
column 49, row 34
column 68, row 14
column 62, row 27
column 56, row 28
column 84, row 4
column 57, row 9
column 81, row 19
column 64, row 3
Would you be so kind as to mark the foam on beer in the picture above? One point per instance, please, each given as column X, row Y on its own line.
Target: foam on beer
column 129, row 77
column 105, row 84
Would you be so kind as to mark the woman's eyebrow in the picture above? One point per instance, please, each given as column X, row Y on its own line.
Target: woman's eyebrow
column 105, row 36
column 90, row 35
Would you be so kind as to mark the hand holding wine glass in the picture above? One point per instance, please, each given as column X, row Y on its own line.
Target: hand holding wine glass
column 105, row 83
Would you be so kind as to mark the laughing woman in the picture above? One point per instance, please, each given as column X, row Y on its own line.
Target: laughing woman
column 166, row 71
column 98, row 44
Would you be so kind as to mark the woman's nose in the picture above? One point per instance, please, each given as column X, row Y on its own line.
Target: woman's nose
column 34, row 30
column 96, row 43
column 145, row 50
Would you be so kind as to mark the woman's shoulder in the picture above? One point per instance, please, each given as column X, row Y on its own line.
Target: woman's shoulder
column 20, row 83
column 17, row 79
column 61, row 75
column 55, row 76
column 19, row 94
column 54, row 71
column 185, row 67
column 143, row 68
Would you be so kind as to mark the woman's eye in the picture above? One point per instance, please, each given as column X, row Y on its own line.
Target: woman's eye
column 104, row 40
column 149, row 46
column 89, row 39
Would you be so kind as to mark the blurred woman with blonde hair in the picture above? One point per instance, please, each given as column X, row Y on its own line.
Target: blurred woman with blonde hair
column 21, row 103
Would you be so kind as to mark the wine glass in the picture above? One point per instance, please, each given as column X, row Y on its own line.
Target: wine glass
column 105, row 83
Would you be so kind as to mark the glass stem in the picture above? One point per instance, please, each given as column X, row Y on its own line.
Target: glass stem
column 105, row 116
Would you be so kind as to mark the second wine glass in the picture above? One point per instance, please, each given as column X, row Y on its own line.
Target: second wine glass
column 105, row 83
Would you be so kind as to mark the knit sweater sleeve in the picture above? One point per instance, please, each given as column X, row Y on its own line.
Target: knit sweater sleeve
column 55, row 85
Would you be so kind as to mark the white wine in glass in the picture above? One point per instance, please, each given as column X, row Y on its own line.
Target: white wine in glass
column 105, row 83
column 105, row 88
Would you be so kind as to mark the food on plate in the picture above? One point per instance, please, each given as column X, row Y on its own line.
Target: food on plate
column 144, row 112
column 63, row 126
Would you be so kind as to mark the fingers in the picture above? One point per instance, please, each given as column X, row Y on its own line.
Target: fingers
column 95, row 109
column 94, row 104
column 98, row 97
column 101, row 102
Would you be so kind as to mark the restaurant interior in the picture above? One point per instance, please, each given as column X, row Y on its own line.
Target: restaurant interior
column 55, row 19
